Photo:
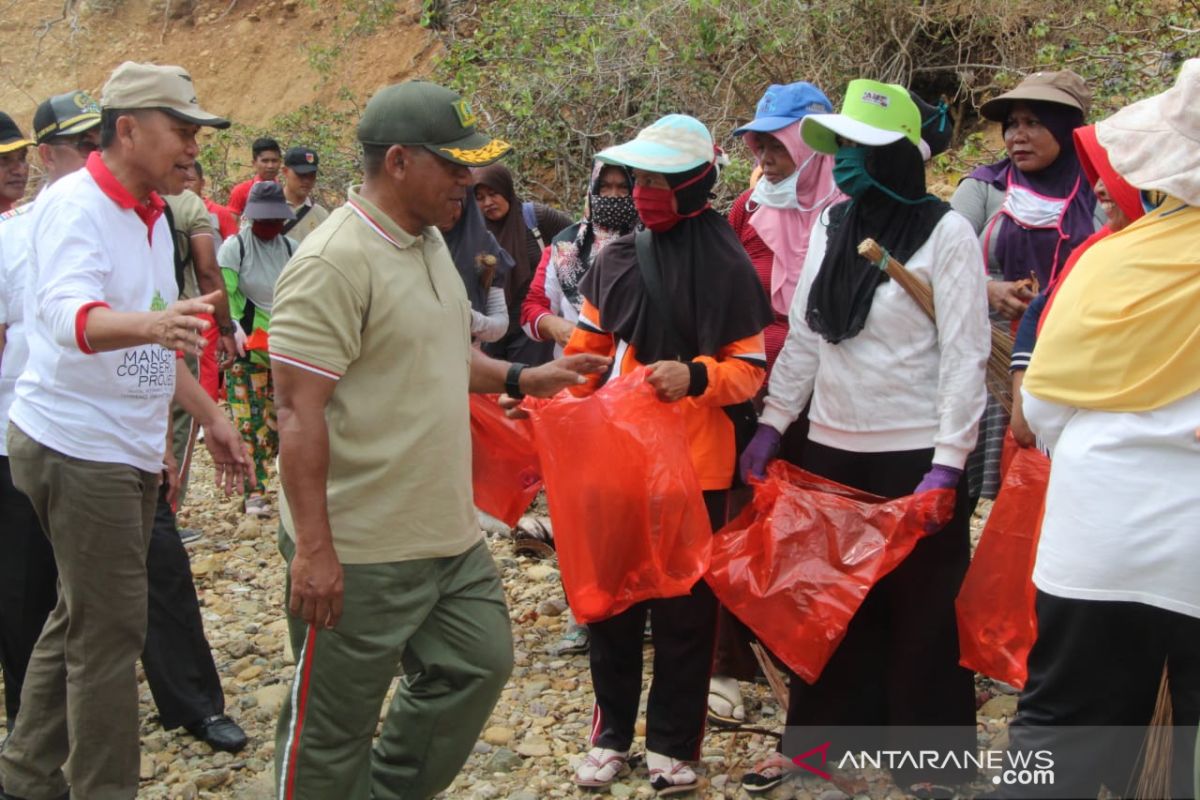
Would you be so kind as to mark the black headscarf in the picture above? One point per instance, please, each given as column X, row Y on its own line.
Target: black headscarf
column 470, row 239
column 511, row 231
column 707, row 278
column 842, row 292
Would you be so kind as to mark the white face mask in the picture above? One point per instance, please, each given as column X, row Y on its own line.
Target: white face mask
column 1032, row 210
column 777, row 195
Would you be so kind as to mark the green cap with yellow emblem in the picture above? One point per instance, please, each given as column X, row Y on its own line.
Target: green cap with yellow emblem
column 432, row 116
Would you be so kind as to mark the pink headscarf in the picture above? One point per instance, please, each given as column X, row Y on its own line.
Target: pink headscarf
column 786, row 230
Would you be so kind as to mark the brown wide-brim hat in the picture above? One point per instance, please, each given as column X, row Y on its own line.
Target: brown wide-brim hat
column 1155, row 143
column 1064, row 87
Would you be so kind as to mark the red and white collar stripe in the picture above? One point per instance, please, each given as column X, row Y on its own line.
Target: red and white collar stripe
column 375, row 226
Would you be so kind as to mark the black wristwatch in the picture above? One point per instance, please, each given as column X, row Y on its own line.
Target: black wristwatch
column 512, row 381
column 226, row 330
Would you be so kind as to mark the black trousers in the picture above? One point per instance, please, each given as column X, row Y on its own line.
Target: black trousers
column 1094, row 673
column 28, row 586
column 683, row 631
column 734, row 657
column 176, row 656
column 898, row 663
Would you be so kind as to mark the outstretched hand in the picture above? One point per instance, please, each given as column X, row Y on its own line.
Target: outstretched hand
column 549, row 379
column 179, row 327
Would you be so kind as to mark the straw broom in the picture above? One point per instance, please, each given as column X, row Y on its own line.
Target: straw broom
column 999, row 382
column 1154, row 782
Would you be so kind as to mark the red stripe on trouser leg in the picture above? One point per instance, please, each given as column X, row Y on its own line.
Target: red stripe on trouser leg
column 301, row 705
column 595, row 724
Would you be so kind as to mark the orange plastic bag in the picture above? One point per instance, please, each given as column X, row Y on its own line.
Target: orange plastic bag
column 504, row 465
column 798, row 562
column 629, row 516
column 996, row 619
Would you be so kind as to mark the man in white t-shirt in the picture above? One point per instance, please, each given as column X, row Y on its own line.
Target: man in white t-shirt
column 88, row 429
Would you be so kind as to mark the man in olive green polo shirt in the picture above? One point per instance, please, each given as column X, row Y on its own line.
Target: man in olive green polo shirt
column 372, row 360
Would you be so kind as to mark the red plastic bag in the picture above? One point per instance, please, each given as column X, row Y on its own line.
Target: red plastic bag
column 798, row 562
column 996, row 619
column 629, row 517
column 504, row 464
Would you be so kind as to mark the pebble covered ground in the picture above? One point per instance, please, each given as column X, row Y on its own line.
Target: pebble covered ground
column 536, row 734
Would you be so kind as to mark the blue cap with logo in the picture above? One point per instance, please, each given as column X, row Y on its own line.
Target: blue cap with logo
column 783, row 105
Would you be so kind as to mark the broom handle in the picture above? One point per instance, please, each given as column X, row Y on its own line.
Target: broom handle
column 871, row 250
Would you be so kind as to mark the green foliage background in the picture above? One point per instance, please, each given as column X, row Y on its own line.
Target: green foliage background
column 563, row 80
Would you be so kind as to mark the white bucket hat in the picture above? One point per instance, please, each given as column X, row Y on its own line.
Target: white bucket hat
column 1155, row 143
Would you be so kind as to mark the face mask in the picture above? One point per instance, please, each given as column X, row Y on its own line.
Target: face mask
column 613, row 213
column 656, row 207
column 1033, row 210
column 266, row 229
column 850, row 171
column 777, row 195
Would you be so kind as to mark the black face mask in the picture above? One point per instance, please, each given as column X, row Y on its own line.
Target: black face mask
column 613, row 213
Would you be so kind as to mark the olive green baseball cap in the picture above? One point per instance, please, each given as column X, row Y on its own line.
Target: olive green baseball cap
column 873, row 114
column 431, row 116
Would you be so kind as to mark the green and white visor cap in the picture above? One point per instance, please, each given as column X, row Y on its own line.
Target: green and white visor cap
column 675, row 143
column 873, row 114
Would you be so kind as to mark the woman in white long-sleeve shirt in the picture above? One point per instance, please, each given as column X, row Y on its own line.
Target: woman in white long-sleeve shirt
column 896, row 400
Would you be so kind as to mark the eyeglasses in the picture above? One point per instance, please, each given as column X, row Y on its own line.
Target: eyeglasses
column 85, row 147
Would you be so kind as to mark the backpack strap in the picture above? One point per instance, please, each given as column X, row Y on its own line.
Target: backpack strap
column 179, row 262
column 529, row 213
column 301, row 214
column 247, row 318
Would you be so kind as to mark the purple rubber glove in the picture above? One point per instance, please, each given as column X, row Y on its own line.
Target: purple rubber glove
column 938, row 477
column 762, row 448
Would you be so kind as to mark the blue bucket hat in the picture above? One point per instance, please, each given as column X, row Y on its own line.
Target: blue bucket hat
column 674, row 143
column 782, row 105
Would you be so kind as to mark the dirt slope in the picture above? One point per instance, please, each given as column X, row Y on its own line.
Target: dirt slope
column 249, row 58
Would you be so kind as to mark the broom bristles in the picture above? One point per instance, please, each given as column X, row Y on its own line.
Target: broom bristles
column 774, row 677
column 1154, row 782
column 998, row 381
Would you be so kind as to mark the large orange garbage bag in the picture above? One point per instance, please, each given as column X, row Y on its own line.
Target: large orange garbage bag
column 798, row 562
column 504, row 464
column 629, row 516
column 996, row 619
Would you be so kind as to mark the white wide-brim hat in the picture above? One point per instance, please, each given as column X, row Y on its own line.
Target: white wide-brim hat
column 1155, row 143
